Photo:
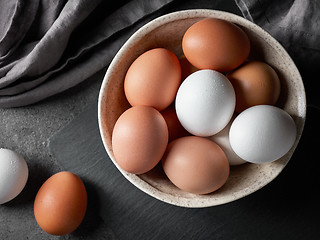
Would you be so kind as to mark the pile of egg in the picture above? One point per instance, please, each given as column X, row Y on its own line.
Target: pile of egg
column 203, row 112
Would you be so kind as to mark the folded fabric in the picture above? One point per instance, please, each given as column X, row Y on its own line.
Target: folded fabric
column 296, row 25
column 49, row 46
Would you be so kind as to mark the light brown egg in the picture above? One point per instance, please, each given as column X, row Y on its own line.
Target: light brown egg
column 196, row 165
column 139, row 139
column 255, row 83
column 174, row 126
column 215, row 44
column 153, row 79
column 60, row 204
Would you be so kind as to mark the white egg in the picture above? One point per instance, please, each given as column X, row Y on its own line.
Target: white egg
column 222, row 139
column 262, row 134
column 205, row 102
column 13, row 174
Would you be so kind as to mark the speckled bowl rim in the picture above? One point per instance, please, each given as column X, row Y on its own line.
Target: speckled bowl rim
column 199, row 13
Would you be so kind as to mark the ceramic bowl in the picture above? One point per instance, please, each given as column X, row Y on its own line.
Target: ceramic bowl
column 167, row 31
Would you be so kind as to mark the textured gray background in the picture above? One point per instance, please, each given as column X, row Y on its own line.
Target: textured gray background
column 27, row 130
column 285, row 209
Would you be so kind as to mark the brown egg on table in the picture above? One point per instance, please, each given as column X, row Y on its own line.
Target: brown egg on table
column 174, row 126
column 139, row 139
column 255, row 83
column 196, row 165
column 186, row 67
column 153, row 79
column 60, row 204
column 215, row 44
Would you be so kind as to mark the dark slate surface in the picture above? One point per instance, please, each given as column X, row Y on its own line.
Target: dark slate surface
column 287, row 208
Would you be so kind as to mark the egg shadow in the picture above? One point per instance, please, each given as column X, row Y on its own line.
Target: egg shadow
column 92, row 221
column 38, row 174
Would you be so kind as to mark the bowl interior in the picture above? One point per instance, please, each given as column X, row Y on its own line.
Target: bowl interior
column 167, row 31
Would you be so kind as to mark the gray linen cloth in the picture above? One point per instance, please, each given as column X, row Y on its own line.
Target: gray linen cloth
column 48, row 46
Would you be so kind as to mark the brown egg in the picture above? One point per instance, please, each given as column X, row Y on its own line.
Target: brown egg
column 60, row 204
column 174, row 126
column 255, row 83
column 153, row 79
column 215, row 44
column 139, row 139
column 196, row 165
column 186, row 67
